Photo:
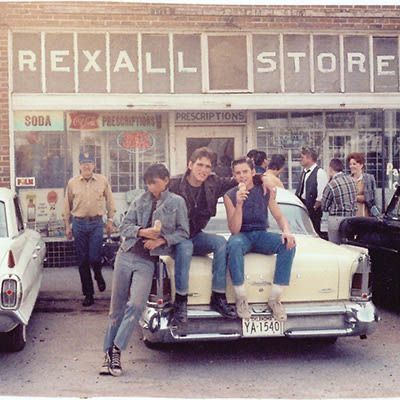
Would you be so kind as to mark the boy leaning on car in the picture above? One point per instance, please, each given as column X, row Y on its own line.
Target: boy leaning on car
column 201, row 190
column 246, row 221
column 154, row 223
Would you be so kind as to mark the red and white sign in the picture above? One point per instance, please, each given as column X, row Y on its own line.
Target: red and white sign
column 136, row 141
column 83, row 120
column 28, row 181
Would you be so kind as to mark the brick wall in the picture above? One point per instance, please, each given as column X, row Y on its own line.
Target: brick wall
column 42, row 16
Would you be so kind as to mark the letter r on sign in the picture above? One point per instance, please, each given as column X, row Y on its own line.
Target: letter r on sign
column 26, row 57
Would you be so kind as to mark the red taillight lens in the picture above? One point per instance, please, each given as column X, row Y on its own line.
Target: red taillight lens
column 9, row 293
column 360, row 287
column 11, row 260
column 357, row 281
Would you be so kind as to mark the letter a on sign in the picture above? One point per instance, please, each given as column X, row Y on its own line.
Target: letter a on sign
column 124, row 61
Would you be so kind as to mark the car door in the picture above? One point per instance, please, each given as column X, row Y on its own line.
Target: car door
column 29, row 251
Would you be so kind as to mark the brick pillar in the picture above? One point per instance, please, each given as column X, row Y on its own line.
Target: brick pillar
column 4, row 132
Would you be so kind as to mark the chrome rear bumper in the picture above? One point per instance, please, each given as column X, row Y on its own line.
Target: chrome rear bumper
column 345, row 318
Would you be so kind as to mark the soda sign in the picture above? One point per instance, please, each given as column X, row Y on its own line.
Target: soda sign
column 138, row 141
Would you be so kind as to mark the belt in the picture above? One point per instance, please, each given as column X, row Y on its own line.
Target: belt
column 96, row 218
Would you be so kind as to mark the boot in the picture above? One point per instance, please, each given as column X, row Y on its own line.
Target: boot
column 180, row 310
column 219, row 303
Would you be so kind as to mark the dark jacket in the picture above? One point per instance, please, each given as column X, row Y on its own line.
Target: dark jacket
column 311, row 189
column 214, row 188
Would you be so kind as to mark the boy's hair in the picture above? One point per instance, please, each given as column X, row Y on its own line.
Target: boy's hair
column 252, row 153
column 336, row 165
column 202, row 152
column 259, row 158
column 277, row 162
column 308, row 151
column 243, row 160
column 155, row 171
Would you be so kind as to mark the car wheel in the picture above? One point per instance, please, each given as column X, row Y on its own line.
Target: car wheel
column 15, row 340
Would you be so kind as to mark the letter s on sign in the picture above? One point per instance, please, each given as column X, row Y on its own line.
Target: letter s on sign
column 263, row 58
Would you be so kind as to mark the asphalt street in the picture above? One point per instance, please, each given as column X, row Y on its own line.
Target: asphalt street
column 64, row 352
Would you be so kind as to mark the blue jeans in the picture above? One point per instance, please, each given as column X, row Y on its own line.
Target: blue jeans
column 200, row 245
column 259, row 242
column 88, row 241
column 131, row 286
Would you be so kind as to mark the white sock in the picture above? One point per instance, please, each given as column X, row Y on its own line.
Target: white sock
column 276, row 291
column 240, row 291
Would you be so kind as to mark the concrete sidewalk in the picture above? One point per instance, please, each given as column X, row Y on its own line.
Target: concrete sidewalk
column 61, row 291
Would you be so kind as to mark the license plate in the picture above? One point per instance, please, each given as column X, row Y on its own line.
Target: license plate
column 261, row 326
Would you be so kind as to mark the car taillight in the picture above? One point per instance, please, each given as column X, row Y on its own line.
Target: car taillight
column 11, row 260
column 9, row 293
column 362, row 279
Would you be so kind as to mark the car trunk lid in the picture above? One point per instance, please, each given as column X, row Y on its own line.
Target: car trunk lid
column 315, row 274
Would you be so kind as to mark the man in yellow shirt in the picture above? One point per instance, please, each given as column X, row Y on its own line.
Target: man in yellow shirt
column 88, row 198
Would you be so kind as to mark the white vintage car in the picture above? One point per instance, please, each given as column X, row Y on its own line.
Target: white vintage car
column 22, row 253
column 329, row 294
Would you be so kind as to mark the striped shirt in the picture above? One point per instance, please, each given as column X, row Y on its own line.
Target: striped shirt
column 339, row 196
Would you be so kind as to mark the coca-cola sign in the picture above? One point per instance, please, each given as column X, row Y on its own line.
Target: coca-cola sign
column 138, row 141
column 83, row 120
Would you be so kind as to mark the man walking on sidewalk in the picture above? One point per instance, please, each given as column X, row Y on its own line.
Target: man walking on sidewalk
column 88, row 198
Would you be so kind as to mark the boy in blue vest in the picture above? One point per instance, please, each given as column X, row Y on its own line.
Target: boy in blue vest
column 248, row 226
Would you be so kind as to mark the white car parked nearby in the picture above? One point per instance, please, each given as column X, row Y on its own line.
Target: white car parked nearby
column 22, row 253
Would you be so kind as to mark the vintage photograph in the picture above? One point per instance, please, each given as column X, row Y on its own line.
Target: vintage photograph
column 199, row 199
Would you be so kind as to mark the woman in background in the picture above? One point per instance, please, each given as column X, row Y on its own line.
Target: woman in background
column 366, row 185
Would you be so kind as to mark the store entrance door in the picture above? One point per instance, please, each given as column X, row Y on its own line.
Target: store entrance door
column 225, row 141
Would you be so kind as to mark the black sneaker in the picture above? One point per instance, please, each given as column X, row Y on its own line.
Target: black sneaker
column 88, row 300
column 115, row 363
column 101, row 283
column 219, row 303
column 105, row 368
column 180, row 311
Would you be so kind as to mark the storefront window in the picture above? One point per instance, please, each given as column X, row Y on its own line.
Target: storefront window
column 334, row 134
column 43, row 166
column 43, row 156
column 132, row 150
column 285, row 133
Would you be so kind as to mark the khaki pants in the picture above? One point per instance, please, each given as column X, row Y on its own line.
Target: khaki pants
column 333, row 228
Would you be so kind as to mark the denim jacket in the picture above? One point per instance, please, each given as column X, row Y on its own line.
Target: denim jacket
column 170, row 210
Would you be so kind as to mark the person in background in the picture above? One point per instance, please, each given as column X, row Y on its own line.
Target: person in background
column 201, row 190
column 148, row 230
column 88, row 198
column 312, row 183
column 338, row 199
column 260, row 162
column 275, row 168
column 252, row 153
column 366, row 185
column 247, row 207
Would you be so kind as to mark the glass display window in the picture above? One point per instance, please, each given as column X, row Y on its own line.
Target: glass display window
column 333, row 134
